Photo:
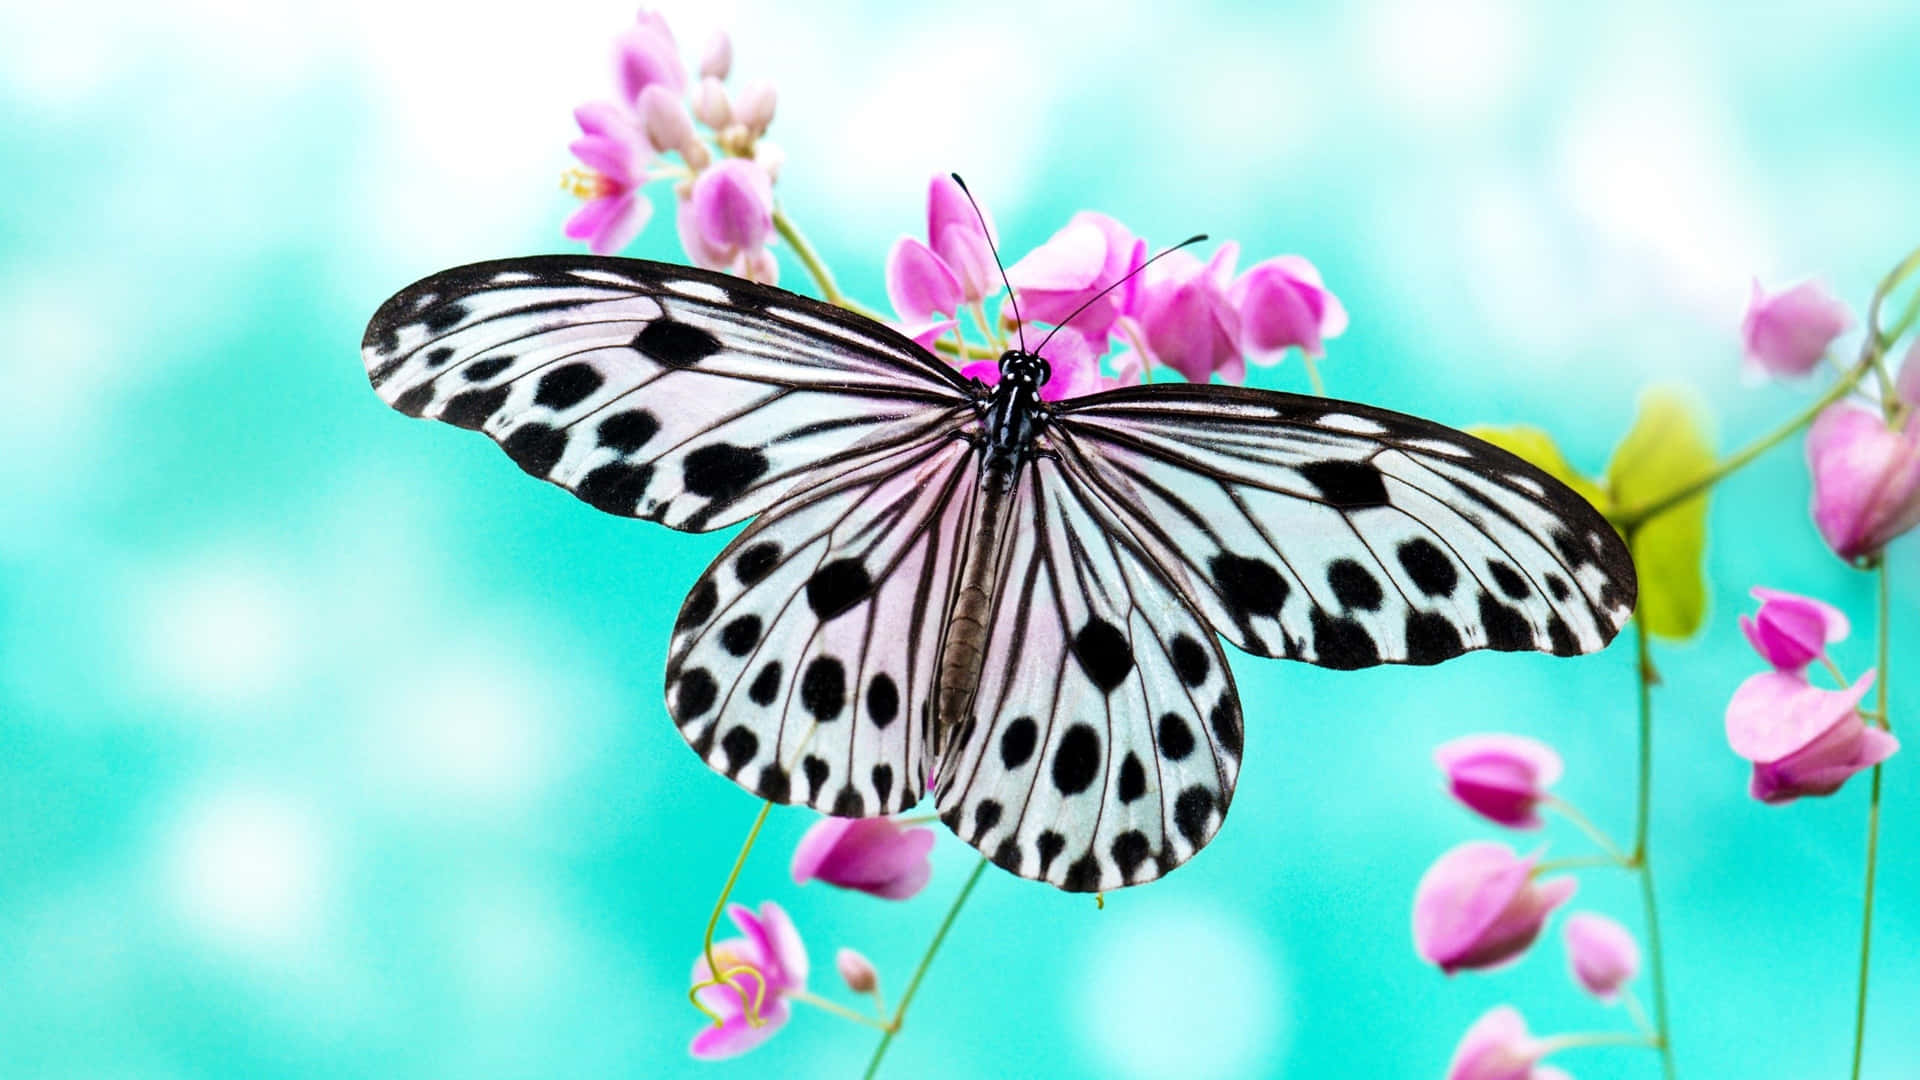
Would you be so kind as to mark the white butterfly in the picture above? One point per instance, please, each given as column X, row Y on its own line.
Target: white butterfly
column 947, row 584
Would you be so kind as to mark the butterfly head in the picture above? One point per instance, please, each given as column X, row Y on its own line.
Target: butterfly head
column 1024, row 369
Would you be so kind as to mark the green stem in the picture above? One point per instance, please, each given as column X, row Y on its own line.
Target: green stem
column 1313, row 376
column 714, row 974
column 809, row 258
column 926, row 961
column 1634, row 517
column 1873, row 828
column 1663, row 1032
column 1591, row 1038
column 1605, row 842
column 1580, row 862
column 838, row 1009
column 1877, row 339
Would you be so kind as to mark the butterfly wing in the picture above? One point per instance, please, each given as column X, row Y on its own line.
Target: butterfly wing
column 1106, row 733
column 647, row 389
column 1346, row 535
column 801, row 658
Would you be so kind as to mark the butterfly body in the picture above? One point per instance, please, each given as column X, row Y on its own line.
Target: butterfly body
column 1019, row 604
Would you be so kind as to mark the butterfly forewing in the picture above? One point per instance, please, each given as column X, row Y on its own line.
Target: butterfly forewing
column 800, row 659
column 1106, row 733
column 1348, row 536
column 646, row 389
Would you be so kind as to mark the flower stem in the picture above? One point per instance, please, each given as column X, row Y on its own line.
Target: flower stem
column 1873, row 828
column 1634, row 517
column 838, row 1009
column 716, row 976
column 1580, row 821
column 809, row 258
column 1557, row 1043
column 1643, row 668
column 926, row 961
column 1313, row 375
column 1581, row 862
column 1879, row 340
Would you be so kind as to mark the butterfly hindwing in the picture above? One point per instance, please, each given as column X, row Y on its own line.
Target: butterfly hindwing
column 646, row 389
column 1107, row 733
column 801, row 657
column 1349, row 536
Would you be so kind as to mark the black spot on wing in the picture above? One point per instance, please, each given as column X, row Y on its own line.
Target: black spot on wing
column 567, row 386
column 1507, row 630
column 482, row 370
column 766, row 685
column 445, row 317
column 1193, row 814
column 849, row 803
column 1342, row 644
column 836, row 587
column 1431, row 638
column 1190, row 660
column 1077, row 760
column 883, row 700
column 471, row 408
column 823, row 688
column 817, row 772
column 1249, row 586
column 536, row 448
column 699, row 605
column 616, row 487
column 774, row 783
column 1175, row 738
column 673, row 343
column 1017, row 742
column 1354, row 585
column 628, row 431
column 882, row 777
column 693, row 695
column 1348, row 485
column 1225, row 721
column 415, row 400
column 1133, row 778
column 740, row 745
column 985, row 816
column 755, row 563
column 1103, row 653
column 1050, row 845
column 1429, row 568
column 1508, row 579
column 1083, row 875
column 1129, row 850
column 740, row 635
column 721, row 471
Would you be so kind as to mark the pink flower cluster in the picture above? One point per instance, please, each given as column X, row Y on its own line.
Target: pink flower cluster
column 876, row 856
column 1482, row 905
column 1801, row 740
column 1196, row 318
column 725, row 210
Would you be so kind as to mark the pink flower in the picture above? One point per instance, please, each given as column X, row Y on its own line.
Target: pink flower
column 857, row 971
column 646, row 55
column 1866, row 478
column 924, row 290
column 727, row 219
column 1090, row 253
column 616, row 154
column 1500, row 777
column 1498, row 1047
column 1792, row 631
column 1802, row 740
column 1184, row 318
column 778, row 958
column 955, row 234
column 873, row 855
column 1478, row 907
column 1282, row 304
column 1602, row 953
column 717, row 60
column 1074, row 363
column 1788, row 332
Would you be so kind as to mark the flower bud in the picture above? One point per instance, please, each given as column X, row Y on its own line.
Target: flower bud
column 1792, row 631
column 1802, row 740
column 717, row 60
column 755, row 107
column 1479, row 907
column 1283, row 305
column 1788, row 332
column 665, row 118
column 857, row 970
column 1500, row 777
column 873, row 855
column 1602, row 953
column 1498, row 1047
column 710, row 104
column 1866, row 478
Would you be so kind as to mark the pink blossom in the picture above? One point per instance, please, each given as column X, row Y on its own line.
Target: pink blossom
column 1792, row 631
column 1283, row 304
column 1184, row 318
column 857, row 971
column 727, row 219
column 1090, row 253
column 646, row 55
column 1500, row 777
column 1866, row 478
column 717, row 59
column 874, row 855
column 1802, row 740
column 616, row 154
column 753, row 109
column 1478, row 907
column 1074, row 365
column 1786, row 333
column 921, row 284
column 1601, row 952
column 778, row 958
column 955, row 234
column 1498, row 1047
column 664, row 117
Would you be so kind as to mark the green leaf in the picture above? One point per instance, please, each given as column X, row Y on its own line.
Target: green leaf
column 1532, row 445
column 1667, row 449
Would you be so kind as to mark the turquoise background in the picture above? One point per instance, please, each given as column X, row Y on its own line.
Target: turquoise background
column 331, row 745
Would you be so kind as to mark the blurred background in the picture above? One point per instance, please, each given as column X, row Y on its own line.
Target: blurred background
column 332, row 745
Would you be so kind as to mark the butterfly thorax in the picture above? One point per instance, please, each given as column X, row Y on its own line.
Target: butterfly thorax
column 1014, row 416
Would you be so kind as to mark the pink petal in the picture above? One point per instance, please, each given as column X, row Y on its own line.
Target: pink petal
column 873, row 855
column 1824, row 765
column 1792, row 631
column 955, row 234
column 926, row 333
column 1501, row 777
column 609, row 156
column 1773, row 714
column 1460, row 897
column 987, row 371
column 1787, row 333
column 1496, row 1047
column 733, row 207
column 603, row 118
column 919, row 282
column 1866, row 478
column 645, row 55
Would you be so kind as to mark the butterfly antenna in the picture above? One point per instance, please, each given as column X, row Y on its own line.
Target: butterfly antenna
column 1018, row 323
column 1128, row 276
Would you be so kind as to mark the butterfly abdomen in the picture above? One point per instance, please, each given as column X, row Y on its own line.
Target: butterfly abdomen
column 963, row 647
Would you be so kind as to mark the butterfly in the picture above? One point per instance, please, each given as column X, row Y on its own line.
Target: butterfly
column 946, row 586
